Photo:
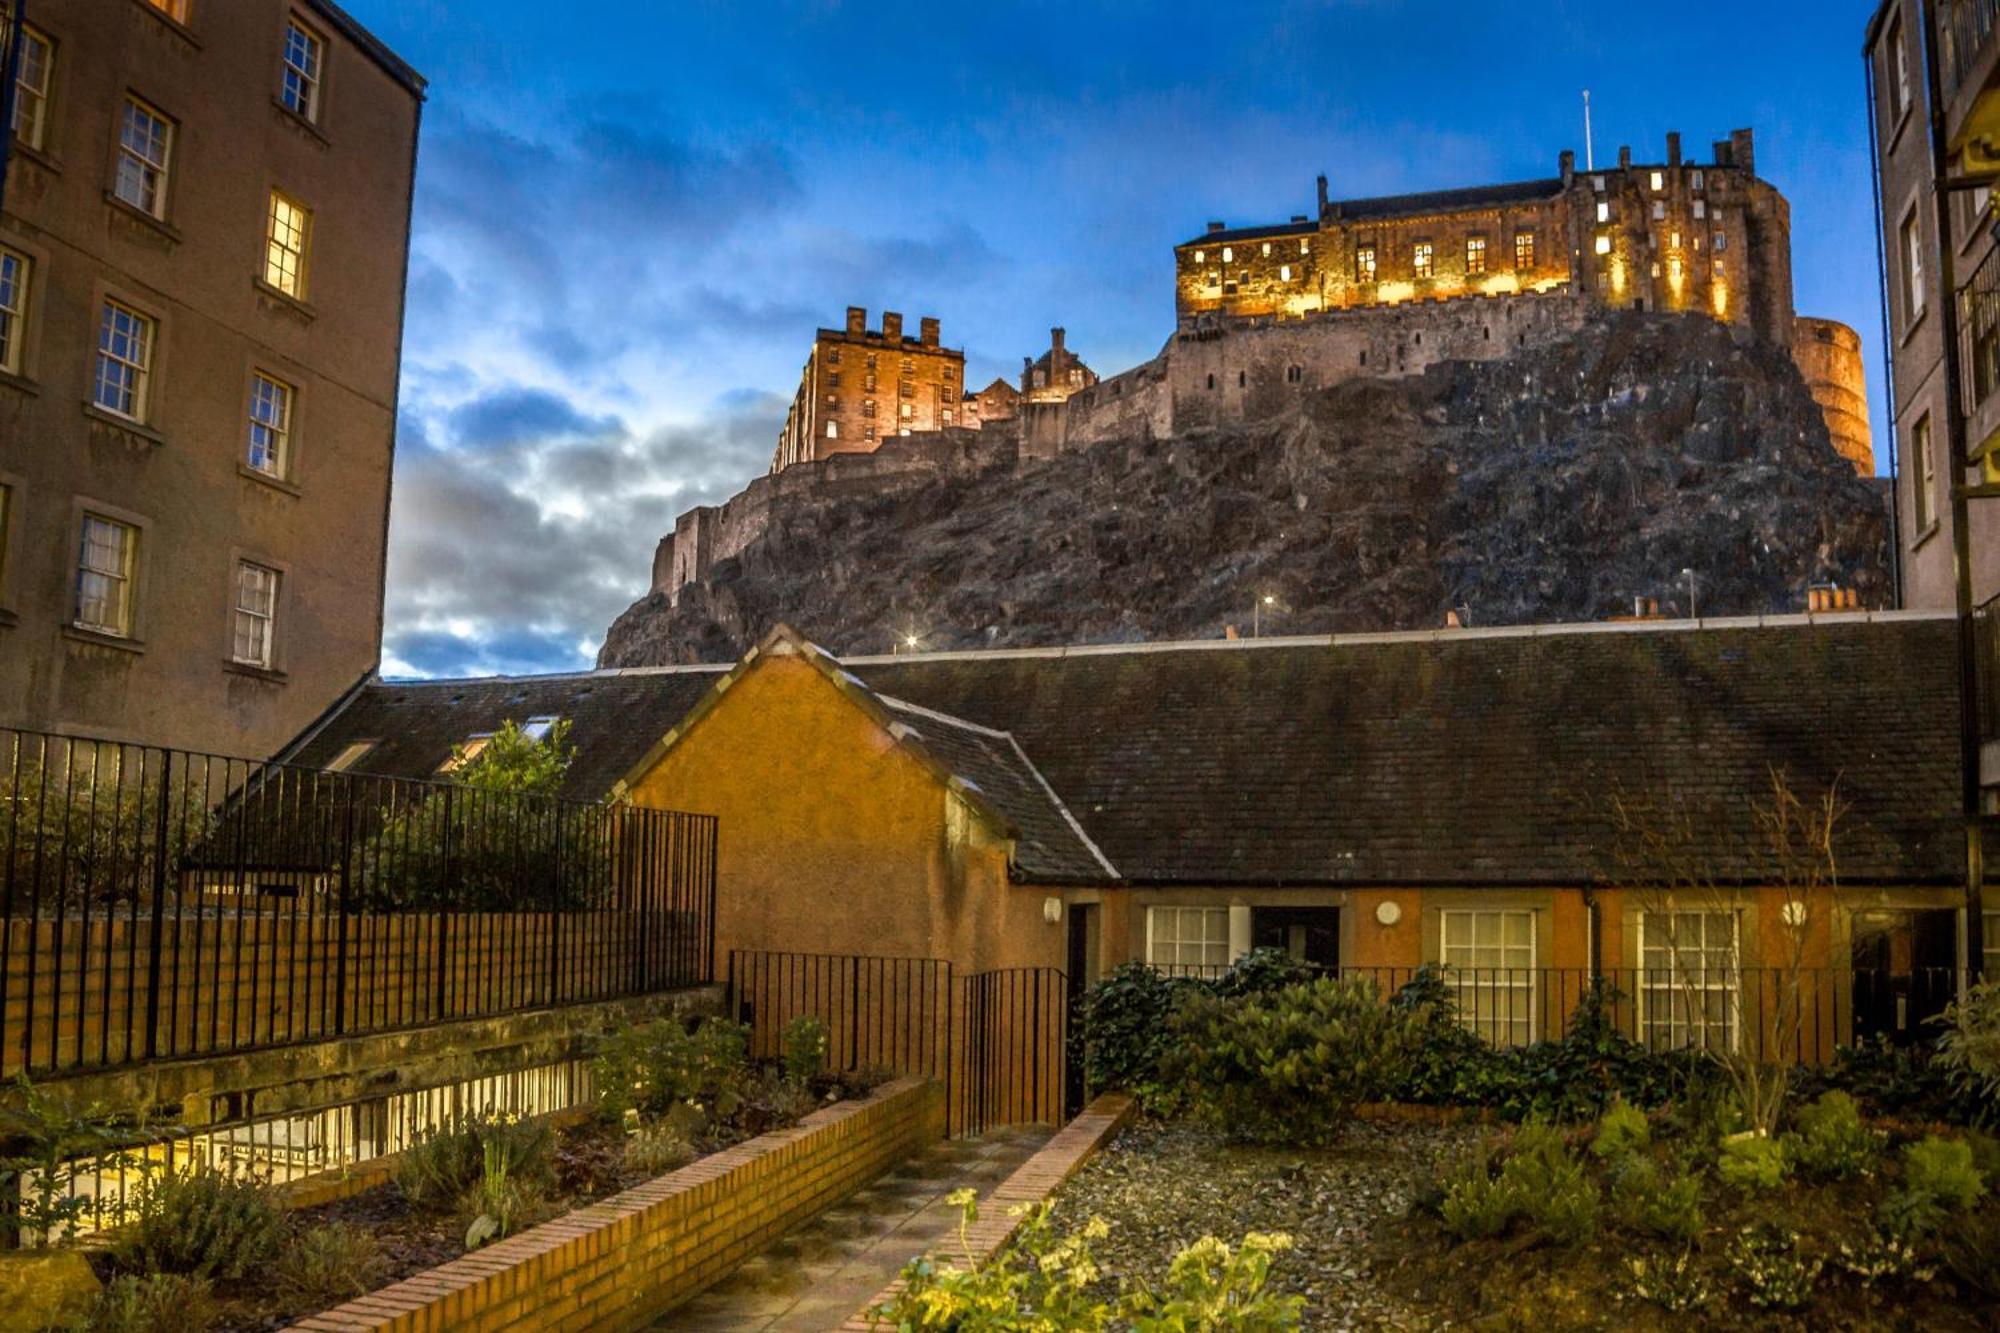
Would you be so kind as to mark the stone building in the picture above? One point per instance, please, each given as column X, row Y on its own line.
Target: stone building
column 1056, row 374
column 202, row 259
column 862, row 386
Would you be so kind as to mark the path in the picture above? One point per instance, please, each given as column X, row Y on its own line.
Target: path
column 812, row 1279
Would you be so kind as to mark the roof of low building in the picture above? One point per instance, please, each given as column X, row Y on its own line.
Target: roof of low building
column 1460, row 757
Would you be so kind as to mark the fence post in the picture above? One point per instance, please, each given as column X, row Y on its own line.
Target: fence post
column 159, row 905
column 343, row 908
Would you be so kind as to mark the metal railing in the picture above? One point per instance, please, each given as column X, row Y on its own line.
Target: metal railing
column 1979, row 332
column 1965, row 28
column 158, row 903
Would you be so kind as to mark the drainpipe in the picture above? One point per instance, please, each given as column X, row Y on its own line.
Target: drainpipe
column 1888, row 339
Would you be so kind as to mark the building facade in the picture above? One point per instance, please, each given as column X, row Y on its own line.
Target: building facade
column 861, row 386
column 203, row 248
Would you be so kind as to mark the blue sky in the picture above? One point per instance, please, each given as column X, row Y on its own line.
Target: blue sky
column 630, row 216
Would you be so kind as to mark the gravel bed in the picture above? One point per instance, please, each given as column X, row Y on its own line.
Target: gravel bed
column 1164, row 1185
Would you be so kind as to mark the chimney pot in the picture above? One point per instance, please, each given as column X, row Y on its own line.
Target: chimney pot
column 1322, row 193
column 892, row 326
column 1568, row 165
column 857, row 319
column 928, row 330
column 1625, row 157
column 1673, row 148
column 1214, row 227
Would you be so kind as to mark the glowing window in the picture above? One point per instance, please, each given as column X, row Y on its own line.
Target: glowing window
column 466, row 751
column 833, row 430
column 1305, row 245
column 13, row 308
column 1422, row 259
column 1659, row 180
column 1364, row 263
column 145, row 153
column 1228, row 254
column 1603, row 211
column 124, row 361
column 1475, row 255
column 288, row 232
column 1597, row 184
column 104, row 576
column 1603, row 244
column 304, row 52
column 1284, row 273
column 1524, row 249
column 31, row 87
column 270, row 445
column 1267, row 248
column 256, row 613
column 1700, row 209
column 350, row 754
column 1200, row 256
column 906, row 411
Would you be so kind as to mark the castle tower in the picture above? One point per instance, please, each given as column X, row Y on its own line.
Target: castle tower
column 1828, row 354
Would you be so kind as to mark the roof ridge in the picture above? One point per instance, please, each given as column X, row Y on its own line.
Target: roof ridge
column 950, row 719
column 1062, row 807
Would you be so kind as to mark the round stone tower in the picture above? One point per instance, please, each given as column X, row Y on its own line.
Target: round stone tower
column 1829, row 356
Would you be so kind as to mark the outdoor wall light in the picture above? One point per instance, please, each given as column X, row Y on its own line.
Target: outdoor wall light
column 1794, row 913
column 1052, row 910
column 1388, row 914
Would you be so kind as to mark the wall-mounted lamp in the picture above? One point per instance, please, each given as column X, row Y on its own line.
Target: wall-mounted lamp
column 1794, row 913
column 1388, row 913
column 1052, row 910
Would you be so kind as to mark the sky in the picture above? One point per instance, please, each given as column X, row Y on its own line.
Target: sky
column 631, row 215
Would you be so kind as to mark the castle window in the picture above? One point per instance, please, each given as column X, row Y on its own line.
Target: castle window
column 1242, row 378
column 833, row 356
column 1659, row 210
column 1421, row 259
column 1075, row 376
column 1603, row 211
column 1694, row 180
column 1524, row 249
column 945, row 394
column 1659, row 180
column 1720, row 272
column 1475, row 255
column 906, row 411
column 1211, row 381
column 947, row 416
column 1597, row 184
column 1700, row 209
column 1604, row 243
column 1284, row 273
column 1200, row 256
column 1294, row 374
column 1364, row 263
column 833, row 379
column 1674, row 241
column 868, row 407
column 1228, row 255
column 1722, row 238
column 1267, row 248
column 871, row 360
column 905, row 389
column 868, row 432
column 1305, row 245
column 833, row 430
column 868, row 382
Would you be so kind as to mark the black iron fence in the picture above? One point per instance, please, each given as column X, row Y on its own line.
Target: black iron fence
column 157, row 903
column 1016, row 1050
column 1965, row 28
column 1979, row 332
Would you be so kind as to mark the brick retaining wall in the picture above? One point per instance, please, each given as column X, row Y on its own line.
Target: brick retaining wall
column 623, row 1262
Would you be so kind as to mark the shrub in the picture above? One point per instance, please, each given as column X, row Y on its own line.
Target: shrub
column 325, row 1265
column 1938, row 1179
column 156, row 1303
column 1676, row 1285
column 500, row 1201
column 1880, row 1255
column 1893, row 1080
column 1621, row 1131
column 1749, row 1161
column 1971, row 1250
column 1643, row 1198
column 48, row 1141
column 1831, row 1142
column 1263, row 970
column 804, row 1043
column 1209, row 1286
column 1775, row 1275
column 653, row 1066
column 654, row 1150
column 204, row 1223
column 1553, row 1188
column 442, row 1164
column 1123, row 1025
column 1478, row 1203
column 1451, row 1063
column 1290, row 1064
column 1969, row 1050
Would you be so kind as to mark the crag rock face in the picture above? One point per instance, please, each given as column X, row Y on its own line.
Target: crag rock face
column 1556, row 485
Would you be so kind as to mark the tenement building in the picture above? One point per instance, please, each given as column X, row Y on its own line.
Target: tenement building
column 203, row 243
column 861, row 386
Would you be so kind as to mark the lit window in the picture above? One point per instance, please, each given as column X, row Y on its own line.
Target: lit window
column 1603, row 211
column 1364, row 263
column 13, row 309
column 1524, row 249
column 1924, row 472
column 303, row 53
column 124, row 361
column 1673, row 240
column 1659, row 180
column 466, row 751
column 177, row 10
column 1489, row 958
column 1992, row 946
column 1305, row 245
column 1200, row 256
column 1284, row 273
column 1913, row 267
column 1267, row 248
column 270, row 424
column 868, row 432
column 287, row 235
column 1719, row 269
column 1700, row 209
column 1603, row 243
column 833, row 430
column 145, row 150
column 1475, row 255
column 1228, row 255
column 1688, row 990
column 906, row 411
column 1421, row 259
column 350, row 754
column 948, row 416
column 538, row 728
column 104, row 576
column 868, row 407
column 1188, row 939
column 31, row 92
column 256, row 613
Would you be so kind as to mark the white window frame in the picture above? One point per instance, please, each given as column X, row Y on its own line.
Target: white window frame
column 1990, row 960
column 1667, row 980
column 32, row 84
column 109, row 585
column 287, row 244
column 1911, row 241
column 1423, row 259
column 145, row 162
column 268, row 441
column 1900, row 83
column 1167, row 929
column 126, row 343
column 299, row 84
column 253, row 616
column 1923, row 446
column 1479, row 987
column 538, row 728
column 833, row 430
column 16, row 271
column 1475, row 246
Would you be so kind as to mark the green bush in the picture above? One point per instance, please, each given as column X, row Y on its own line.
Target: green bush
column 1677, row 1286
column 1554, row 1189
column 442, row 1164
column 1752, row 1162
column 1210, row 1286
column 1451, row 1063
column 501, row 1201
column 325, row 1265
column 1938, row 1179
column 203, row 1223
column 1478, row 1203
column 156, row 1303
column 804, row 1043
column 1969, row 1050
column 46, row 1142
column 1831, row 1142
column 1263, row 970
column 1773, row 1272
column 654, row 1066
column 1289, row 1065
column 1621, row 1131
column 1123, row 1025
column 1659, row 1203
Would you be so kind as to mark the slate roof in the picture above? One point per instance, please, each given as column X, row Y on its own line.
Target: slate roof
column 1251, row 233
column 1397, row 206
column 1453, row 757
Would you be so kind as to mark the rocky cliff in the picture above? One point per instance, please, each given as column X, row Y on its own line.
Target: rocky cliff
column 1555, row 485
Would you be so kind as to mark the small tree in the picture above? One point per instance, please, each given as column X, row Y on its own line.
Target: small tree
column 1667, row 849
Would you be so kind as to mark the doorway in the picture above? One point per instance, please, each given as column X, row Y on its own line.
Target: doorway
column 1308, row 934
column 1905, row 965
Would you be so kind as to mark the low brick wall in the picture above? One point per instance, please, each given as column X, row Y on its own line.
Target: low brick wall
column 1033, row 1181
column 623, row 1262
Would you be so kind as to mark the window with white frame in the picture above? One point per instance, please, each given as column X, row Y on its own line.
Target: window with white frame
column 124, row 361
column 1912, row 245
column 270, row 424
column 256, row 615
column 1187, row 939
column 833, row 430
column 145, row 155
column 1923, row 473
column 13, row 308
column 1422, row 257
column 1689, row 980
column 287, row 233
column 31, row 82
column 1475, row 255
column 304, row 53
column 1990, row 955
column 538, row 728
column 104, row 576
column 1489, row 958
column 1899, row 57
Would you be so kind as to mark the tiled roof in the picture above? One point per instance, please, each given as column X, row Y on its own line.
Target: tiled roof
column 1251, row 233
column 1458, row 757
column 1448, row 201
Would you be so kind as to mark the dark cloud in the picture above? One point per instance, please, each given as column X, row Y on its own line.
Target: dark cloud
column 523, row 416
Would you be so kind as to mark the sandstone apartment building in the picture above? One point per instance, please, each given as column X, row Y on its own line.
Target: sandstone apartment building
column 203, row 246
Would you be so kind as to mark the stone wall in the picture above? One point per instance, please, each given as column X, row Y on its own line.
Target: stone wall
column 1829, row 356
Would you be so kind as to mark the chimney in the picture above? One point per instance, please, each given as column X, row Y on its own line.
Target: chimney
column 892, row 326
column 1322, row 195
column 1625, row 157
column 857, row 320
column 1673, row 148
column 928, row 330
column 1229, row 633
column 1300, row 217
column 1743, row 150
column 1568, row 161
column 1451, row 620
column 1056, row 348
column 1215, row 227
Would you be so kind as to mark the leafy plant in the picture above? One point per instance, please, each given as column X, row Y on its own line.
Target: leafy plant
column 1831, row 1142
column 325, row 1265
column 1554, row 1189
column 652, row 1067
column 1124, row 1022
column 1209, row 1286
column 50, row 1143
column 155, row 1303
column 1677, row 1286
column 1774, row 1273
column 804, row 1043
column 1663, row 1204
column 1971, row 1250
column 204, row 1223
column 1969, row 1050
column 1881, row 1254
column 442, row 1164
column 1478, row 1203
column 1938, row 1179
column 1749, row 1161
column 654, row 1149
column 500, row 1200
column 1263, row 970
column 1621, row 1131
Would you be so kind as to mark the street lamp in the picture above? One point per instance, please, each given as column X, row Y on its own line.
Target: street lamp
column 1257, row 614
column 1694, row 611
